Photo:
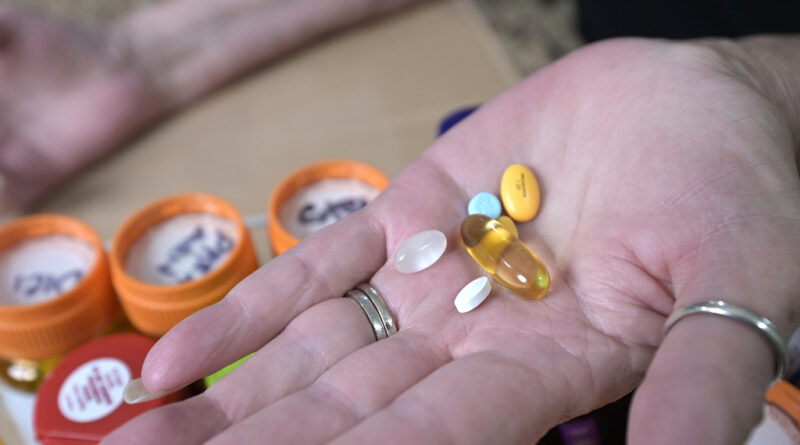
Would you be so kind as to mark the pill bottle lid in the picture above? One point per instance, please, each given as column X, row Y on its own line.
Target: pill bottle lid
column 281, row 239
column 81, row 399
column 153, row 308
column 781, row 421
column 62, row 321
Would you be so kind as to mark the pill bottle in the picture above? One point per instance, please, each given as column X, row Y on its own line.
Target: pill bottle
column 80, row 401
column 176, row 256
column 781, row 422
column 318, row 195
column 55, row 294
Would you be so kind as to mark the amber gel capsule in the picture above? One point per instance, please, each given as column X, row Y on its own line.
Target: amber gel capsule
column 505, row 257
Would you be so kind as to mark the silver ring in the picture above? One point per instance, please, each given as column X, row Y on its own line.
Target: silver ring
column 761, row 323
column 380, row 305
column 369, row 309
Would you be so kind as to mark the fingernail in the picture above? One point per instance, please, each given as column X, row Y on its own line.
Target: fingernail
column 135, row 392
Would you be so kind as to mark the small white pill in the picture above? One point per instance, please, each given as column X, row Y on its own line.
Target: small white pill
column 473, row 294
column 420, row 251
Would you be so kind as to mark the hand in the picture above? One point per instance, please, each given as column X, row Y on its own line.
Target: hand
column 668, row 177
column 68, row 95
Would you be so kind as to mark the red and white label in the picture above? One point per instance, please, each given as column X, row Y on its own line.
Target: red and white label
column 94, row 390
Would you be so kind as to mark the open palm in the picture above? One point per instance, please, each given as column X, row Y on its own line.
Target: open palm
column 666, row 180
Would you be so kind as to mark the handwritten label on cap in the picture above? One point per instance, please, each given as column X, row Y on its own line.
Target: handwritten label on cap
column 323, row 203
column 182, row 249
column 40, row 269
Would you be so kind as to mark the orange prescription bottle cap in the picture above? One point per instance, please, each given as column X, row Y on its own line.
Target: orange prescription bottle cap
column 781, row 421
column 80, row 401
column 154, row 305
column 787, row 397
column 281, row 239
column 64, row 308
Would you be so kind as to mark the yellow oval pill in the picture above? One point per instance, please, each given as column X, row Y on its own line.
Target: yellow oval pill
column 520, row 192
column 508, row 223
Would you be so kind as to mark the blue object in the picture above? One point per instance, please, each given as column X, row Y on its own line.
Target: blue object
column 485, row 203
column 580, row 432
column 455, row 117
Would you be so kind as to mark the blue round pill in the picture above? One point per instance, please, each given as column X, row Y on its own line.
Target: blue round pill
column 485, row 203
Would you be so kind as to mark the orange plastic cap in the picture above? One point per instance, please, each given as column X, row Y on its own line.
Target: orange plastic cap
column 787, row 397
column 154, row 309
column 41, row 330
column 280, row 239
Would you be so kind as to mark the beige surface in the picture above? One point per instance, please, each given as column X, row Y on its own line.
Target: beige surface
column 374, row 94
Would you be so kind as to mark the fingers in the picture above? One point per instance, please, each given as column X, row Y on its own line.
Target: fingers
column 707, row 382
column 705, row 386
column 310, row 344
column 358, row 385
column 316, row 340
column 481, row 398
column 325, row 265
column 198, row 418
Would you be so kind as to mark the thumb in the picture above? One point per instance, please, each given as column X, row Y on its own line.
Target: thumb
column 707, row 381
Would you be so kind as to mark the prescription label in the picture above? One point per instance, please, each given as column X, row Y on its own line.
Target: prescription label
column 182, row 249
column 94, row 390
column 323, row 203
column 40, row 269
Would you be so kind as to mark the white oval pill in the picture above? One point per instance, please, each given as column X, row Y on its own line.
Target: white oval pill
column 473, row 294
column 420, row 251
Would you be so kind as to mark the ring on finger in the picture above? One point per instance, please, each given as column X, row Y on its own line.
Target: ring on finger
column 375, row 308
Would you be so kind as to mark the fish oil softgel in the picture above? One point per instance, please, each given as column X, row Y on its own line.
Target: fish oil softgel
column 505, row 257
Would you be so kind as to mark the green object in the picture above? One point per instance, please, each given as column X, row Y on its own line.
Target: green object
column 210, row 380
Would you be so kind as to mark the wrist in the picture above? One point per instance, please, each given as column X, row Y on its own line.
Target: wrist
column 187, row 48
column 137, row 50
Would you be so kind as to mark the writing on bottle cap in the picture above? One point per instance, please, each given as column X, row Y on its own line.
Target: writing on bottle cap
column 181, row 249
column 323, row 203
column 317, row 195
column 39, row 269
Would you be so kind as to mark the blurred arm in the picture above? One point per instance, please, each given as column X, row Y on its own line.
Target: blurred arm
column 189, row 47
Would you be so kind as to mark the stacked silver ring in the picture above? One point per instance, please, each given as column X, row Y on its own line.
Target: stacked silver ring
column 375, row 308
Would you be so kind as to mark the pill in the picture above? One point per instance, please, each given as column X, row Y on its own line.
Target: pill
column 420, row 251
column 508, row 223
column 485, row 203
column 520, row 192
column 505, row 257
column 473, row 294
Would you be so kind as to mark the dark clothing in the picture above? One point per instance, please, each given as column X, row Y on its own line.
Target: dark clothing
column 680, row 19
